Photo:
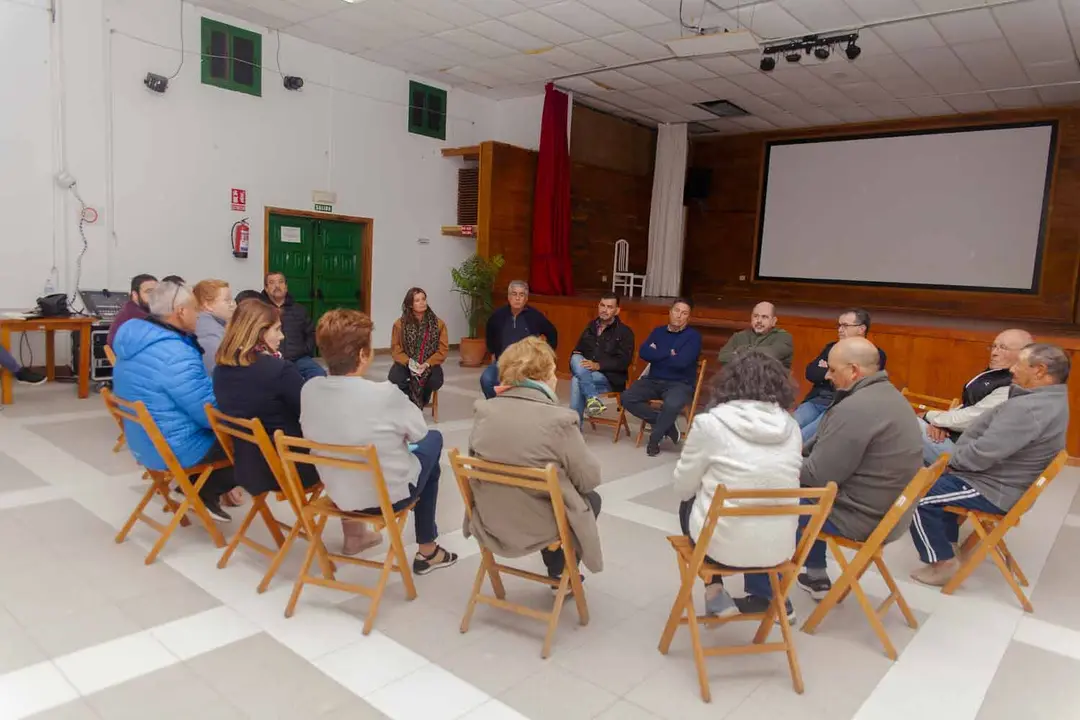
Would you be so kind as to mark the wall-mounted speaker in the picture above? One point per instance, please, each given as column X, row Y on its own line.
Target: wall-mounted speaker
column 698, row 183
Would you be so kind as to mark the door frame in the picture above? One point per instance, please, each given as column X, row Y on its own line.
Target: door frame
column 366, row 244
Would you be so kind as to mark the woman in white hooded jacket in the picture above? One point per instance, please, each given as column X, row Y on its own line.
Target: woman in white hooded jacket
column 747, row 440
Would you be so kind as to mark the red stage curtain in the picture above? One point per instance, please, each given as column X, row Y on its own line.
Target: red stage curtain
column 550, row 272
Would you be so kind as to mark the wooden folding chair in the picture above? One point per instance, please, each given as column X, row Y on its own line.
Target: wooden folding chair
column 692, row 565
column 921, row 403
column 543, row 481
column 111, row 357
column 689, row 411
column 619, row 421
column 137, row 413
column 314, row 516
column 229, row 429
column 435, row 406
column 990, row 529
column 869, row 552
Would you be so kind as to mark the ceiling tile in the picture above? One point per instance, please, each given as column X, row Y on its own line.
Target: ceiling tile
column 971, row 102
column 721, row 88
column 627, row 100
column 866, row 92
column 670, row 8
column 852, row 113
column 967, row 27
column 615, row 80
column 882, row 67
column 753, row 123
column 535, row 66
column 1036, row 31
column 476, row 43
column 728, row 65
column 451, row 11
column 631, row 13
column 798, row 78
column 685, row 70
column 821, row 15
column 1062, row 95
column 941, row 68
column 929, row 106
column 475, row 75
column 536, row 3
column 284, row 13
column 910, row 35
column 507, row 35
column 872, row 44
column 890, row 109
column 758, row 84
column 911, row 86
column 769, row 20
column 457, row 54
column 580, row 85
column 396, row 13
column 690, row 112
column 655, row 98
column 723, row 127
column 543, row 27
column 876, row 10
column 785, row 120
column 494, row 8
column 636, row 45
column 992, row 63
column 756, row 105
column 598, row 51
column 649, row 75
column 664, row 116
column 582, row 18
column 688, row 93
column 1016, row 98
column 1061, row 71
column 665, row 32
column 817, row 116
column 571, row 62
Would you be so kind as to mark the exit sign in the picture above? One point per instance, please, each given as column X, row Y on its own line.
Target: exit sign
column 321, row 207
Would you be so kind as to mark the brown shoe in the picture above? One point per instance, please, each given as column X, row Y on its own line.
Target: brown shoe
column 936, row 575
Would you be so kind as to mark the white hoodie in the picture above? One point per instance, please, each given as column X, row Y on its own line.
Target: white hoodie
column 743, row 445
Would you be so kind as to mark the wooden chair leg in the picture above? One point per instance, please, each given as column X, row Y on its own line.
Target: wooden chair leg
column 168, row 531
column 478, row 584
column 686, row 590
column 313, row 541
column 1011, row 579
column 119, row 443
column 1014, row 566
column 973, row 559
column 779, row 598
column 279, row 558
column 640, row 434
column 496, row 579
column 871, row 615
column 239, row 535
column 699, row 651
column 553, row 619
column 397, row 547
column 894, row 589
column 134, row 518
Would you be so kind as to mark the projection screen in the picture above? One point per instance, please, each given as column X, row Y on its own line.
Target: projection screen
column 962, row 209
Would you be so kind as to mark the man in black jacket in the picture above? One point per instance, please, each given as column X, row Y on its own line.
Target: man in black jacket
column 510, row 323
column 299, row 343
column 851, row 323
column 601, row 358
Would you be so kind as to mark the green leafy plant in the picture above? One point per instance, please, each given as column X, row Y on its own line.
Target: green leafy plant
column 474, row 282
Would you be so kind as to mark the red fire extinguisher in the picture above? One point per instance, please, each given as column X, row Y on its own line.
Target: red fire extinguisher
column 240, row 235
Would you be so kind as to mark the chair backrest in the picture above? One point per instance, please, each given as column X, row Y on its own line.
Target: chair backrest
column 697, row 388
column 136, row 412
column 110, row 356
column 358, row 458
column 541, row 480
column 228, row 429
column 922, row 403
column 1027, row 500
column 622, row 255
column 915, row 491
column 763, row 503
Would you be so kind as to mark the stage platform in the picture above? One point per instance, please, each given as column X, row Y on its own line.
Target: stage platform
column 928, row 353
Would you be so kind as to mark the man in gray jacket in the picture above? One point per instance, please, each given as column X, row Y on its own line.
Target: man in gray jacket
column 866, row 444
column 997, row 458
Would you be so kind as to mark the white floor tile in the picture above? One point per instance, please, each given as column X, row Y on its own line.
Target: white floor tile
column 32, row 690
column 368, row 664
column 430, row 693
column 196, row 634
column 114, row 662
column 1053, row 638
column 314, row 631
column 493, row 710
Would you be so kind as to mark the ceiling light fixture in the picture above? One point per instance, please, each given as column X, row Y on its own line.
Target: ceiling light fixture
column 793, row 57
column 768, row 63
column 821, row 52
column 852, row 50
column 820, row 46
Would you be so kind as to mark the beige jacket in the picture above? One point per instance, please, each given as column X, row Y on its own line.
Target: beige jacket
column 523, row 426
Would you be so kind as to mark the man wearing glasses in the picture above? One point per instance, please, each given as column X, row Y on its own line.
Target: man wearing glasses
column 990, row 388
column 851, row 324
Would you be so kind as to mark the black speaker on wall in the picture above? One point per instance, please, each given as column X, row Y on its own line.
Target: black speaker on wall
column 698, row 183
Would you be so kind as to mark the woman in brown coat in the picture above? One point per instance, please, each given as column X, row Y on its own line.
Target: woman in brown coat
column 524, row 425
column 419, row 347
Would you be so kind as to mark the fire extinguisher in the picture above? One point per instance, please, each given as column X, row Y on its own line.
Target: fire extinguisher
column 239, row 240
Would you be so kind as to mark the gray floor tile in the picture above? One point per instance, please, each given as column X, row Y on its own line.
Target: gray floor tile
column 172, row 692
column 89, row 440
column 16, row 476
column 1033, row 683
column 77, row 710
column 555, row 694
column 18, row 648
column 1054, row 598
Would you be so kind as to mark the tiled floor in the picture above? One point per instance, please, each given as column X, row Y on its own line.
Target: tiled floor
column 87, row 631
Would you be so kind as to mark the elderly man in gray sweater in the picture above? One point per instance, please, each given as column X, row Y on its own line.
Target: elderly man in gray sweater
column 997, row 458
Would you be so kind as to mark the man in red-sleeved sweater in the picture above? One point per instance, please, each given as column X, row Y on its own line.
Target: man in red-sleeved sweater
column 137, row 306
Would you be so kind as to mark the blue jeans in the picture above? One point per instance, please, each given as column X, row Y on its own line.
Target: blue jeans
column 758, row 583
column 8, row 361
column 809, row 415
column 931, row 450
column 428, row 451
column 308, row 367
column 584, row 385
column 932, row 529
column 489, row 379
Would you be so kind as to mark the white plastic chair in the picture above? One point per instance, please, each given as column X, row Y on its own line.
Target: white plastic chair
column 621, row 278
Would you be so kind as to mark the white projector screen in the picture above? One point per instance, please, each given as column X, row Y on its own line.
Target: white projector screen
column 958, row 209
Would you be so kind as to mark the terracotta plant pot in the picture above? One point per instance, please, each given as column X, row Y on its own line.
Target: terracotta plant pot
column 472, row 351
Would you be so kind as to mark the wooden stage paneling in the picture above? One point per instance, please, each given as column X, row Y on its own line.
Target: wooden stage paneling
column 929, row 354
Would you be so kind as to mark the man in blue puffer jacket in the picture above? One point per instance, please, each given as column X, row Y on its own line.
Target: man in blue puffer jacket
column 159, row 361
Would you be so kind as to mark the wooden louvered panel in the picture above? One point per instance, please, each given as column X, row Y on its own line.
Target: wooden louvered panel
column 468, row 195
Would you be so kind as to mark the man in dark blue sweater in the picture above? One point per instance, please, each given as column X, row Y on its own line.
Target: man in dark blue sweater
column 672, row 353
column 510, row 323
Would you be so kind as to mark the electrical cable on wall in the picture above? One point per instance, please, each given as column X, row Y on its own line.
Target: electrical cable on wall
column 182, row 55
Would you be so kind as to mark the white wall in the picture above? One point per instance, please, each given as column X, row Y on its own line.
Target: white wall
column 170, row 160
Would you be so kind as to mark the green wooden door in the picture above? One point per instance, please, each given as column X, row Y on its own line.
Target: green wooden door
column 292, row 251
column 338, row 266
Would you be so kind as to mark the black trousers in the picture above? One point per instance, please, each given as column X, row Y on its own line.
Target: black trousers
column 401, row 376
column 221, row 480
column 685, row 508
column 555, row 560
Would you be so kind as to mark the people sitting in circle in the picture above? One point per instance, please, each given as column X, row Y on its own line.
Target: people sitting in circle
column 601, row 359
column 159, row 362
column 746, row 440
column 23, row 374
column 346, row 409
column 851, row 323
column 252, row 381
column 866, row 444
column 510, row 323
column 419, row 346
column 525, row 425
column 672, row 352
column 216, row 306
column 990, row 388
column 137, row 305
column 762, row 335
column 996, row 459
column 299, row 344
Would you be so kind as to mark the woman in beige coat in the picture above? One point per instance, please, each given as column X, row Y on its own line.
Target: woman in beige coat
column 524, row 425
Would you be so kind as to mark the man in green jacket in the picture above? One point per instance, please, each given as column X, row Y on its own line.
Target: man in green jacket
column 762, row 335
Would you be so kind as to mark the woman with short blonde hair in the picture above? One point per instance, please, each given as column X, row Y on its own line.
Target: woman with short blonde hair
column 525, row 425
column 216, row 306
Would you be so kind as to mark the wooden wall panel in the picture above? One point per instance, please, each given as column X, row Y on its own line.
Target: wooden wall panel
column 615, row 143
column 722, row 229
column 929, row 358
column 507, row 181
column 606, row 205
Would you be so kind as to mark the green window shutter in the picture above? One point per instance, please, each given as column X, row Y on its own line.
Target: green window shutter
column 232, row 57
column 427, row 110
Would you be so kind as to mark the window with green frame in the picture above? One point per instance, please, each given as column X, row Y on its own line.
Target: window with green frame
column 231, row 57
column 427, row 110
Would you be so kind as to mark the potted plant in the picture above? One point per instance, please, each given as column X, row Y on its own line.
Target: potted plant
column 474, row 281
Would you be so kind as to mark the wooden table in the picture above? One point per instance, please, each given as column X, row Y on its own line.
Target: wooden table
column 49, row 326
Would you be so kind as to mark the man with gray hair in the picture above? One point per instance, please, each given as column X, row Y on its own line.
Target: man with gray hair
column 159, row 362
column 999, row 456
column 510, row 323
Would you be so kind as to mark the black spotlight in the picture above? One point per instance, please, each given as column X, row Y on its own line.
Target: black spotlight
column 852, row 50
column 768, row 63
column 794, row 56
column 821, row 52
column 157, row 83
column 293, row 82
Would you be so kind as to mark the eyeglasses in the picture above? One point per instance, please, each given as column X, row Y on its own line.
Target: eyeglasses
column 848, row 325
column 1003, row 348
